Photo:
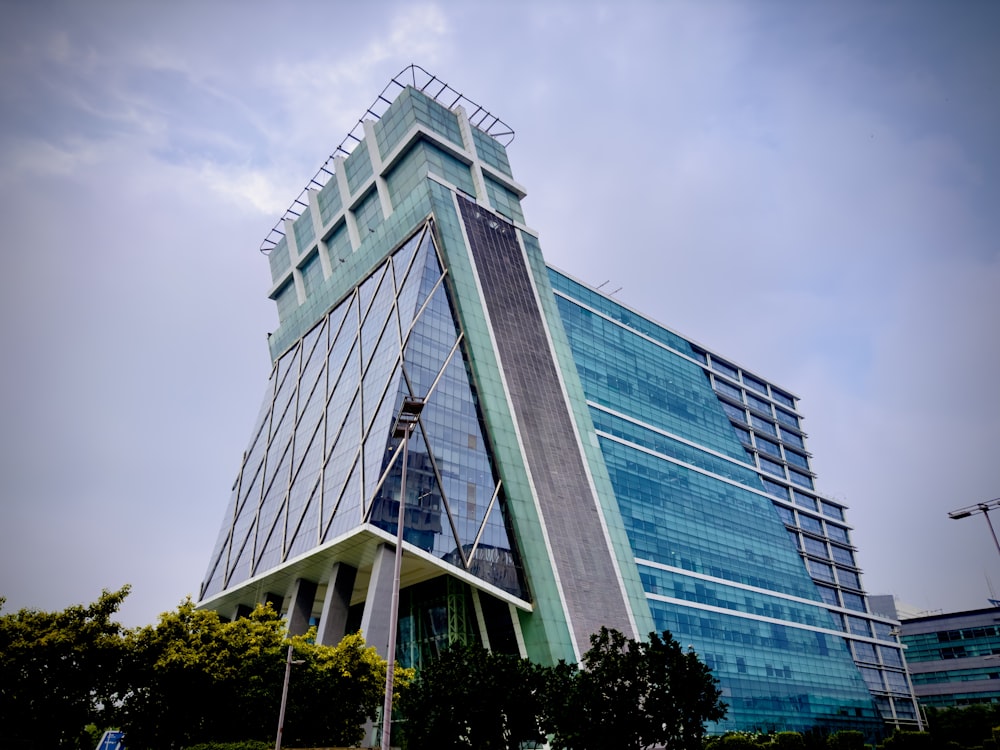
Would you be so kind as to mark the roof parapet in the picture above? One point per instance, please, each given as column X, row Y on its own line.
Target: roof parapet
column 424, row 82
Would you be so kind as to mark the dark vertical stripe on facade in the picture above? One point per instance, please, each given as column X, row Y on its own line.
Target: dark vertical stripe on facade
column 582, row 558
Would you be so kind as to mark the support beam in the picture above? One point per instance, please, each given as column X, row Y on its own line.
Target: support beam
column 336, row 604
column 302, row 595
column 374, row 622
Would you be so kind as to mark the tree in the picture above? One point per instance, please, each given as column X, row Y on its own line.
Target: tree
column 472, row 698
column 194, row 678
column 634, row 694
column 58, row 672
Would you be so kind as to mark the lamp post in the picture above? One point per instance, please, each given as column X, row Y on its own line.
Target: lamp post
column 984, row 507
column 406, row 420
column 284, row 695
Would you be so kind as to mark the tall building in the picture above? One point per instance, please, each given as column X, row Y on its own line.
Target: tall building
column 574, row 465
column 954, row 658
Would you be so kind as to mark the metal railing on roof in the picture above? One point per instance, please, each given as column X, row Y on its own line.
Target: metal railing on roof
column 422, row 81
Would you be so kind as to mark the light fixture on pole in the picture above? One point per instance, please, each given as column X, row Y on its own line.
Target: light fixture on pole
column 284, row 695
column 984, row 507
column 406, row 420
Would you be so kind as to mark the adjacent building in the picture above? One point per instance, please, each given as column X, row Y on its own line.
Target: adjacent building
column 954, row 658
column 575, row 464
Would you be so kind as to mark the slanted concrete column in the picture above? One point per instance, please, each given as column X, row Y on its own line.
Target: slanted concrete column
column 336, row 604
column 303, row 595
column 375, row 620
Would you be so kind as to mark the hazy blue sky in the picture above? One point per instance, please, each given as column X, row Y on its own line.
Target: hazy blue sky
column 810, row 188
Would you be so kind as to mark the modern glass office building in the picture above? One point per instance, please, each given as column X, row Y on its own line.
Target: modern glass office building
column 954, row 658
column 574, row 464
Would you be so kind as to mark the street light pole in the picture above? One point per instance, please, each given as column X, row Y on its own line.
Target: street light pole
column 284, row 695
column 984, row 508
column 406, row 420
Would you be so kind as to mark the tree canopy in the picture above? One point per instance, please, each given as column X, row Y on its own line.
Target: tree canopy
column 471, row 698
column 58, row 670
column 192, row 677
column 634, row 694
column 629, row 694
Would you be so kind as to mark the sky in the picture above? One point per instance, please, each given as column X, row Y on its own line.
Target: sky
column 811, row 189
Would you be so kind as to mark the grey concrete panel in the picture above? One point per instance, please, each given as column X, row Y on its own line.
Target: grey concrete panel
column 375, row 619
column 582, row 559
column 303, row 596
column 336, row 604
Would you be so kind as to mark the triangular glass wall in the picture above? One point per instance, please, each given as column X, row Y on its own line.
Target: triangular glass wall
column 322, row 461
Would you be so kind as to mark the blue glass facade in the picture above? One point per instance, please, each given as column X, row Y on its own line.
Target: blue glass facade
column 575, row 463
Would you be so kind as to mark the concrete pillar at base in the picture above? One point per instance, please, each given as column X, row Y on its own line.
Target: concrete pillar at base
column 336, row 604
column 303, row 595
column 375, row 620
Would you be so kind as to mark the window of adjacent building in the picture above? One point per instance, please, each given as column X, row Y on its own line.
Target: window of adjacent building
column 763, row 425
column 849, row 578
column 785, row 418
column 815, row 547
column 782, row 398
column 806, row 501
column 786, row 515
column 828, row 595
column 842, row 555
column 771, row 467
column 766, row 446
column 797, row 459
column 734, row 412
column 857, row 625
column 891, row 656
column 743, row 435
column 822, row 571
column 758, row 404
column 808, row 523
column 801, row 479
column 897, row 682
column 853, row 601
column 837, row 533
column 864, row 651
column 725, row 368
column 834, row 511
column 752, row 382
column 873, row 678
column 776, row 490
column 792, row 439
column 730, row 390
column 884, row 632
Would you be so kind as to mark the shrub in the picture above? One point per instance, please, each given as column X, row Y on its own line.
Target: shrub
column 910, row 741
column 789, row 741
column 846, row 740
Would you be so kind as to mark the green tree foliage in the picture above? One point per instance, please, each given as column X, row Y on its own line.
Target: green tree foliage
column 634, row 694
column 789, row 741
column 57, row 671
column 846, row 739
column 472, row 698
column 910, row 741
column 969, row 726
column 194, row 678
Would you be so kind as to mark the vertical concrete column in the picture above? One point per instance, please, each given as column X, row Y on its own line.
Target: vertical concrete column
column 336, row 604
column 317, row 222
column 303, row 595
column 345, row 199
column 465, row 127
column 376, row 159
column 375, row 620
